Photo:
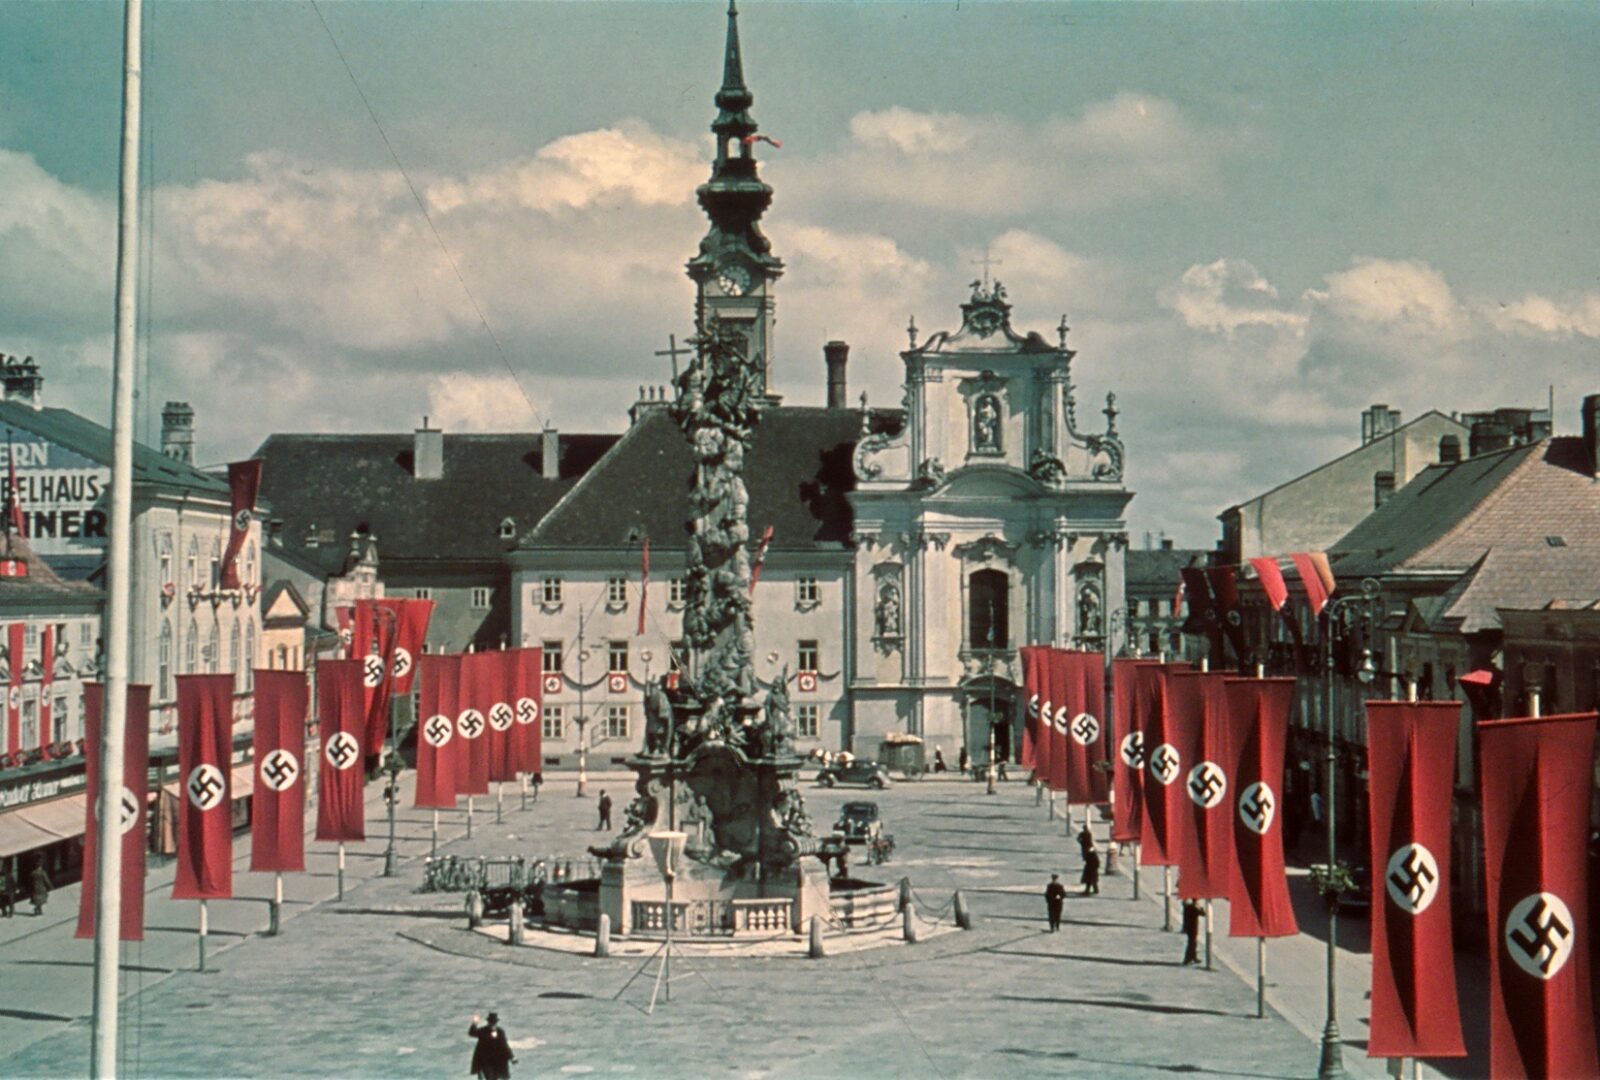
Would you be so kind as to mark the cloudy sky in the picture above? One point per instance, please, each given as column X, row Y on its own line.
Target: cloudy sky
column 1257, row 219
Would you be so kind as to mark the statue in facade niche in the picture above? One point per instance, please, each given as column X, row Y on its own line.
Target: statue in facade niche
column 1089, row 612
column 986, row 424
column 779, row 730
column 657, row 718
column 888, row 613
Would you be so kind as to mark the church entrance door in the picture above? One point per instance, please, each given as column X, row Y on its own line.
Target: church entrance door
column 986, row 711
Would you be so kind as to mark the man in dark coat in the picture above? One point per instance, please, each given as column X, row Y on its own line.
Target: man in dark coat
column 492, row 1060
column 38, row 888
column 1091, row 872
column 8, row 893
column 1191, row 931
column 1055, row 894
column 1085, row 840
column 605, row 812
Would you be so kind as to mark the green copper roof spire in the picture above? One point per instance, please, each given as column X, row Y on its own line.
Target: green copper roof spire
column 734, row 97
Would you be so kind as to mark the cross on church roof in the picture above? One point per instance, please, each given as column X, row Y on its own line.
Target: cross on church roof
column 672, row 350
column 986, row 262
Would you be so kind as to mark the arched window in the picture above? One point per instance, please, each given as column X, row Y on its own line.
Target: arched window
column 216, row 564
column 988, row 598
column 249, row 654
column 192, row 564
column 164, row 551
column 233, row 652
column 214, row 650
column 164, row 673
column 250, row 563
column 191, row 649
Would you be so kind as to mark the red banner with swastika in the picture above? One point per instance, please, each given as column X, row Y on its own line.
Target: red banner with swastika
column 474, row 696
column 1162, row 765
column 130, row 812
column 1127, row 752
column 244, row 480
column 373, row 646
column 1030, row 707
column 1411, row 755
column 1083, row 737
column 411, row 618
column 1537, row 782
column 1209, row 790
column 278, row 810
column 205, row 788
column 500, row 684
column 342, row 720
column 437, row 742
column 528, row 744
column 1055, row 677
column 1258, row 888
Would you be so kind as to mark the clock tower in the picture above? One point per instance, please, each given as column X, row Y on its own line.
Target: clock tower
column 734, row 271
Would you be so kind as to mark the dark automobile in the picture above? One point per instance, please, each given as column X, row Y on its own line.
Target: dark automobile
column 858, row 821
column 871, row 773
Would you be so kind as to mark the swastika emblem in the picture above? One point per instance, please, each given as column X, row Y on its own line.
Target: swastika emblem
column 1132, row 749
column 402, row 662
column 1257, row 807
column 127, row 811
column 1412, row 878
column 437, row 730
column 1033, row 707
column 1085, row 729
column 241, row 520
column 342, row 751
column 205, row 786
column 1047, row 712
column 1059, row 720
column 1207, row 784
column 16, row 697
column 527, row 710
column 552, row 684
column 1540, row 934
column 617, row 683
column 371, row 670
column 1165, row 764
column 500, row 716
column 279, row 770
column 346, row 636
column 470, row 724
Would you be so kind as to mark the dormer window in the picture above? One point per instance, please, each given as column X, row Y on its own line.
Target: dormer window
column 508, row 529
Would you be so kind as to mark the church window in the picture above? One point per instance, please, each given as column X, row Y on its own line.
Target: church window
column 616, row 721
column 988, row 598
column 191, row 648
column 617, row 656
column 807, row 592
column 214, row 649
column 553, row 656
column 233, row 650
column 617, row 591
column 554, row 722
column 808, row 656
column 480, row 598
column 805, row 721
column 550, row 591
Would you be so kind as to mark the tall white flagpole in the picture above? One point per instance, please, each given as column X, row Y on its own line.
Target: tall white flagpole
column 108, row 869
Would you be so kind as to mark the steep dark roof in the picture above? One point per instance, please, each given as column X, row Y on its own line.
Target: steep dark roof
column 1430, row 506
column 84, row 436
column 42, row 586
column 1151, row 568
column 363, row 483
column 798, row 472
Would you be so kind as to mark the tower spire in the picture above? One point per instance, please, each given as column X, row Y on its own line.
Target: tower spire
column 734, row 98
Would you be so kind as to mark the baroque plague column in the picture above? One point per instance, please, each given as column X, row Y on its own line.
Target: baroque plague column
column 988, row 521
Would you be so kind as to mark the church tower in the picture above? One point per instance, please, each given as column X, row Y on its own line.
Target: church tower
column 735, row 270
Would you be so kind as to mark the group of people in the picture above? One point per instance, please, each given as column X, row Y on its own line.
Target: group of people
column 38, row 890
column 1055, row 895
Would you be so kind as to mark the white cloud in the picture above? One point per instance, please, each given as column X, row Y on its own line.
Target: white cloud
column 1535, row 314
column 1228, row 294
column 462, row 402
column 1401, row 293
column 913, row 132
column 56, row 247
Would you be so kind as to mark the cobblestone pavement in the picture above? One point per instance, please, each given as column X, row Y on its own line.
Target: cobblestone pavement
column 384, row 983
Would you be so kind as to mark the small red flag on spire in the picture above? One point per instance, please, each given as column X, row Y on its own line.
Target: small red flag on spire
column 761, row 555
column 751, row 140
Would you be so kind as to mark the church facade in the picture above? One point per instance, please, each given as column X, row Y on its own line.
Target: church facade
column 911, row 551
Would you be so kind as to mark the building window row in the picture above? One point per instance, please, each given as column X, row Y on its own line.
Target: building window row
column 553, row 722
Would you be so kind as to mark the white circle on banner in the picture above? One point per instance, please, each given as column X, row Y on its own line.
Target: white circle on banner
column 1540, row 934
column 437, row 731
column 16, row 697
column 1257, row 808
column 470, row 724
column 241, row 520
column 1059, row 720
column 371, row 670
column 279, row 770
column 500, row 716
column 402, row 662
column 205, row 786
column 1033, row 707
column 1207, row 784
column 1411, row 878
column 1085, row 729
column 342, row 751
column 552, row 684
column 527, row 710
column 1165, row 764
column 1132, row 749
column 127, row 811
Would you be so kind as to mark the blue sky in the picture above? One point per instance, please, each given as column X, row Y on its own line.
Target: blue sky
column 1257, row 218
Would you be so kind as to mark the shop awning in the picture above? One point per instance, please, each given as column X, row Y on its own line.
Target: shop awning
column 18, row 835
column 63, row 818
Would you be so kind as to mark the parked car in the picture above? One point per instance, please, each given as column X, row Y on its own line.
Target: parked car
column 870, row 773
column 860, row 823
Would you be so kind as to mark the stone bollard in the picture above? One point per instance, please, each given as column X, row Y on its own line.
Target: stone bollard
column 602, row 936
column 817, row 950
column 474, row 909
column 963, row 915
column 1112, row 860
column 905, row 893
column 519, row 928
column 908, row 924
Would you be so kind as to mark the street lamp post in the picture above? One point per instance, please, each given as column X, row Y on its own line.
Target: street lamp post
column 583, row 717
column 391, row 761
column 989, row 786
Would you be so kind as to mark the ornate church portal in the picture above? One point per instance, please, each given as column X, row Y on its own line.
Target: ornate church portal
column 989, row 520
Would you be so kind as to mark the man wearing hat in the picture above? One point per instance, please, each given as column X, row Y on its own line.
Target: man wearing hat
column 1054, row 894
column 492, row 1059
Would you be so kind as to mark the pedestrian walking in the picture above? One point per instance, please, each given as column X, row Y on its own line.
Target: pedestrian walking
column 1085, row 841
column 538, row 782
column 1055, row 894
column 8, row 893
column 605, row 812
column 492, row 1057
column 938, row 760
column 38, row 887
column 1091, row 873
column 963, row 760
column 1191, row 931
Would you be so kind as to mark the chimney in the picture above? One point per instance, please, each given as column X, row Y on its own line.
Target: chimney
column 1449, row 449
column 427, row 453
column 1166, row 543
column 837, row 355
column 1488, row 435
column 177, row 430
column 22, row 380
column 550, row 454
column 1378, row 421
column 1591, row 434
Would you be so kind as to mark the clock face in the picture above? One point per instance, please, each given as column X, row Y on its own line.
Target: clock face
column 734, row 280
